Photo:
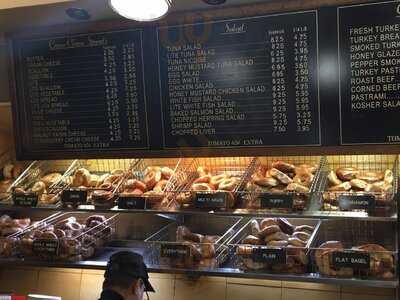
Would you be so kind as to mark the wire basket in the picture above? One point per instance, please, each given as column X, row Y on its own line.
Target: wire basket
column 66, row 237
column 268, row 194
column 9, row 242
column 360, row 249
column 193, row 243
column 41, row 183
column 362, row 191
column 86, row 177
column 279, row 258
column 214, row 183
column 152, row 182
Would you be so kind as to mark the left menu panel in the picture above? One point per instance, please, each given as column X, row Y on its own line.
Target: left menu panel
column 81, row 92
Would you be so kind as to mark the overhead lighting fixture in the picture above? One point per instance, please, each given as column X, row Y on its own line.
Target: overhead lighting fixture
column 141, row 10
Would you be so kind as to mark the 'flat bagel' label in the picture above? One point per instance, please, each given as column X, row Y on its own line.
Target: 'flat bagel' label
column 351, row 259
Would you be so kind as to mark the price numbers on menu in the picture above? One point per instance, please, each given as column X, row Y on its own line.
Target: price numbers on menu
column 279, row 93
column 131, row 91
column 302, row 79
column 112, row 101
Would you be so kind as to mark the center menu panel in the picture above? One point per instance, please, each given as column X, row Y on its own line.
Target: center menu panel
column 240, row 83
column 82, row 92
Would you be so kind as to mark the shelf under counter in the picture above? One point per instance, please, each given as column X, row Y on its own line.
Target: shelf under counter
column 99, row 263
column 237, row 212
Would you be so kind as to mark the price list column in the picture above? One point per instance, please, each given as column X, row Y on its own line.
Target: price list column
column 279, row 97
column 112, row 100
column 301, row 79
column 131, row 91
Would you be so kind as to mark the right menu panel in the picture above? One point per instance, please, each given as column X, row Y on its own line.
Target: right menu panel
column 240, row 83
column 369, row 58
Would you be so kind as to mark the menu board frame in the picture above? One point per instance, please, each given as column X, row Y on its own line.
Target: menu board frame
column 317, row 74
column 340, row 73
column 327, row 84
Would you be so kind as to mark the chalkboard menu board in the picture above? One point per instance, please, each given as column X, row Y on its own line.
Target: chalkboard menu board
column 369, row 58
column 238, row 83
column 82, row 92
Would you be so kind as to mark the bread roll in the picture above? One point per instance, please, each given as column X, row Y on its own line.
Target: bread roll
column 333, row 179
column 347, row 174
column 282, row 177
column 284, row 167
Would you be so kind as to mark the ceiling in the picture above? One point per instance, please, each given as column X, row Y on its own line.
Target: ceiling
column 45, row 15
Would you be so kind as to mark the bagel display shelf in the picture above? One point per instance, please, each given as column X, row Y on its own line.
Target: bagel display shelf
column 368, row 238
column 347, row 176
column 292, row 237
column 296, row 176
column 226, row 176
column 8, row 242
column 77, row 236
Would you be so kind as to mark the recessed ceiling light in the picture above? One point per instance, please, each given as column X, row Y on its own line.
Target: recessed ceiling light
column 79, row 14
column 214, row 2
column 141, row 10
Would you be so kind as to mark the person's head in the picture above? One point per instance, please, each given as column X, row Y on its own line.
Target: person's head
column 127, row 275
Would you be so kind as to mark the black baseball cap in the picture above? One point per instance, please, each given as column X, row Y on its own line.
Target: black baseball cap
column 129, row 264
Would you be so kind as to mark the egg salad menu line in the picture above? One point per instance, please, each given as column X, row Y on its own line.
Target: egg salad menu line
column 244, row 82
column 84, row 92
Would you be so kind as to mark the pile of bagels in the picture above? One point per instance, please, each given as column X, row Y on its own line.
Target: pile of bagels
column 276, row 233
column 351, row 180
column 381, row 265
column 76, row 240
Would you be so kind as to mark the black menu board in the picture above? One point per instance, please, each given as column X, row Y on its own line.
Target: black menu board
column 240, row 83
column 82, row 92
column 369, row 59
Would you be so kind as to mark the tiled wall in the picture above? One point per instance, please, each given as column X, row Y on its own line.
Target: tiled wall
column 76, row 284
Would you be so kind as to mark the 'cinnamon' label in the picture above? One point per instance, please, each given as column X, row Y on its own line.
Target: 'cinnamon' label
column 353, row 202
